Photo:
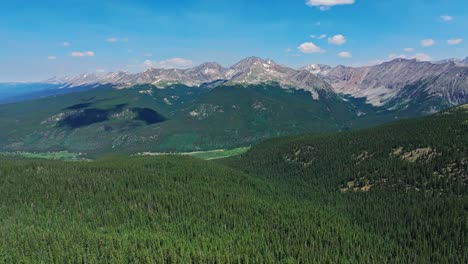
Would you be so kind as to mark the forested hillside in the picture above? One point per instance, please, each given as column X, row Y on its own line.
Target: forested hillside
column 406, row 182
column 177, row 119
column 393, row 194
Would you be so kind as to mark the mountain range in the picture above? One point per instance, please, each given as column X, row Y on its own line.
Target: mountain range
column 391, row 84
column 212, row 107
column 252, row 70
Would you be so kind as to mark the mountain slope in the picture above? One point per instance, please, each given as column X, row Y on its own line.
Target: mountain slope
column 177, row 118
column 406, row 181
column 396, row 83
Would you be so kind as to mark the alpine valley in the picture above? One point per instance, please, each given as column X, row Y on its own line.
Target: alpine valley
column 211, row 107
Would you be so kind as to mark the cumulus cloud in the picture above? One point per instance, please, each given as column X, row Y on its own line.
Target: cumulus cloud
column 446, row 18
column 309, row 47
column 337, row 40
column 66, row 44
column 83, row 54
column 427, row 42
column 327, row 4
column 408, row 49
column 422, row 57
column 51, row 58
column 454, row 41
column 345, row 54
column 173, row 63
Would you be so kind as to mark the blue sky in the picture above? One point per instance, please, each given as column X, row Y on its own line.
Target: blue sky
column 41, row 39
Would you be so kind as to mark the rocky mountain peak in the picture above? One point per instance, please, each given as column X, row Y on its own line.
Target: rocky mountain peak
column 253, row 61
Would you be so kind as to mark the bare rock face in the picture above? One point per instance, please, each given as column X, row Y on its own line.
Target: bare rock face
column 383, row 83
column 255, row 70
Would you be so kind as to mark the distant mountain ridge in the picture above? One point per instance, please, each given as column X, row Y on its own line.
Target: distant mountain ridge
column 252, row 70
column 393, row 84
column 399, row 80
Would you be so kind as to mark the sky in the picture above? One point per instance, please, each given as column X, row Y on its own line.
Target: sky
column 46, row 38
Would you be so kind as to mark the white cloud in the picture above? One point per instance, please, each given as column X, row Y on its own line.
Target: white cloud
column 319, row 36
column 345, row 54
column 66, row 44
column 149, row 63
column 309, row 47
column 149, row 54
column 454, row 41
column 322, row 36
column 327, row 4
column 83, row 54
column 446, row 18
column 422, row 57
column 100, row 70
column 113, row 40
column 51, row 58
column 337, row 40
column 408, row 49
column 173, row 63
column 396, row 56
column 288, row 50
column 368, row 63
column 427, row 42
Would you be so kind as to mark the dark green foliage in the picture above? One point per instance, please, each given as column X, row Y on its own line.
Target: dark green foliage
column 418, row 199
column 279, row 203
column 85, row 117
column 148, row 115
column 78, row 106
column 164, row 209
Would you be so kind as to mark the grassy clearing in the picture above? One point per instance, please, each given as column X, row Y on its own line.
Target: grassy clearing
column 206, row 155
column 218, row 154
column 61, row 155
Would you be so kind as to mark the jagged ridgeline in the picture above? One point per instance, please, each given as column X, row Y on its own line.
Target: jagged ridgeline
column 392, row 194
